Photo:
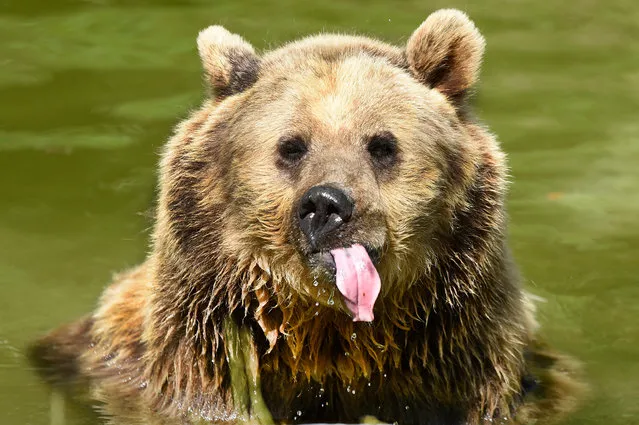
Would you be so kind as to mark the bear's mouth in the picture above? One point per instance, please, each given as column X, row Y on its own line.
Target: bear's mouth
column 353, row 270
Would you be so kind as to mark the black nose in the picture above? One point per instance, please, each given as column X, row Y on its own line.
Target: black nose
column 322, row 210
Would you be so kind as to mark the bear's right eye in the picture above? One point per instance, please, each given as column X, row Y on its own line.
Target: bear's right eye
column 292, row 149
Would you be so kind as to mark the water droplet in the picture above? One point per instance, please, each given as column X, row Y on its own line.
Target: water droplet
column 316, row 304
column 330, row 297
column 353, row 336
column 369, row 384
column 347, row 354
column 348, row 389
column 315, row 282
column 384, row 375
column 299, row 412
column 353, row 391
column 317, row 313
column 407, row 407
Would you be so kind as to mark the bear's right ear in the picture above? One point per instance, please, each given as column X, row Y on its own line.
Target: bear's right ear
column 230, row 63
column 445, row 52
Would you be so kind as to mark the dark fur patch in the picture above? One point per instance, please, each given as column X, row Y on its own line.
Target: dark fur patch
column 56, row 355
column 473, row 225
column 454, row 177
column 245, row 68
column 439, row 74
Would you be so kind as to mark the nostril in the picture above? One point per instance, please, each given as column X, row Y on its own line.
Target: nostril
column 332, row 223
column 306, row 207
column 331, row 209
column 334, row 201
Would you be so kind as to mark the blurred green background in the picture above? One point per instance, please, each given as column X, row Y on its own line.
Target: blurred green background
column 90, row 90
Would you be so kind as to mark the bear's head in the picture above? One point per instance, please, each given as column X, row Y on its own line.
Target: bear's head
column 335, row 171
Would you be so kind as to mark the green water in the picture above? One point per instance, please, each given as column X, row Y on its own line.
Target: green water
column 89, row 90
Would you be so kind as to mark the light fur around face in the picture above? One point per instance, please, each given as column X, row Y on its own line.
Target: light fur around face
column 335, row 103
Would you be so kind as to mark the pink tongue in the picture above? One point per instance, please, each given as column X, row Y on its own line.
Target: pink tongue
column 357, row 280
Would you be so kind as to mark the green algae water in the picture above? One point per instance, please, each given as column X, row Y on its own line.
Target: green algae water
column 90, row 90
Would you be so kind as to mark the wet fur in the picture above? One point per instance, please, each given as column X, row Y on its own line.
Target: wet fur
column 454, row 336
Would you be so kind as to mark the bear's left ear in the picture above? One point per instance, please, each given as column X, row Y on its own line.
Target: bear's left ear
column 230, row 63
column 445, row 52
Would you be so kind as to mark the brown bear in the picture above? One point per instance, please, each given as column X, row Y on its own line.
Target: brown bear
column 333, row 217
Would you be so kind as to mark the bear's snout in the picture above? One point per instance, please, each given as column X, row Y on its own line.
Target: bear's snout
column 322, row 210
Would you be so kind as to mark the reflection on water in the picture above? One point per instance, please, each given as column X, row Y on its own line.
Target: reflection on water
column 91, row 89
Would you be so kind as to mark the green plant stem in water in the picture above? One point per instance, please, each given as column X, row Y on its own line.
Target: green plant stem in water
column 245, row 379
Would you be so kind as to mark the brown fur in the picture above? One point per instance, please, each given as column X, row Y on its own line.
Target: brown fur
column 452, row 325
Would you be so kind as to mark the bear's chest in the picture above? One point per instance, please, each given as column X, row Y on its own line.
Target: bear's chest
column 387, row 398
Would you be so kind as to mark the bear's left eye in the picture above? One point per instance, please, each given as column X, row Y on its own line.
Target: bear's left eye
column 291, row 149
column 383, row 149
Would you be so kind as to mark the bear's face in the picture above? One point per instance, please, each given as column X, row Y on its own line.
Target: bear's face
column 338, row 159
column 348, row 153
